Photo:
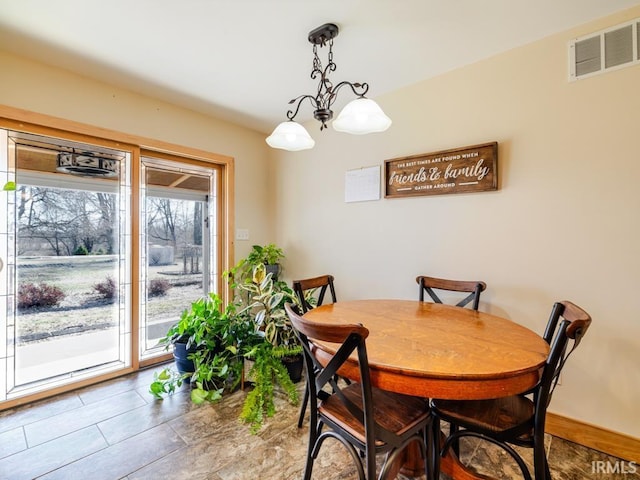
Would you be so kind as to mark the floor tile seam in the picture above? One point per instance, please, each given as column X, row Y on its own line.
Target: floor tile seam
column 178, row 433
column 106, row 440
column 43, row 445
column 150, row 427
column 93, row 420
column 168, row 418
column 106, row 447
column 89, row 405
column 24, row 438
column 148, row 465
column 159, row 459
column 78, row 428
column 123, row 386
column 44, row 406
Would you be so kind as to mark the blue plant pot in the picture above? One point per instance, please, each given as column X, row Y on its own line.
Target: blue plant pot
column 180, row 354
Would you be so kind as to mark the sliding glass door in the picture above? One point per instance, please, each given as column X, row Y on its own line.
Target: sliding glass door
column 67, row 274
column 103, row 245
column 178, row 244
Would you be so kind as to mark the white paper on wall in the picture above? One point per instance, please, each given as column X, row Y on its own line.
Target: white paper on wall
column 362, row 184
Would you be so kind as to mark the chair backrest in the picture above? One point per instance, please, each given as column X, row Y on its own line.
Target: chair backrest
column 566, row 326
column 430, row 284
column 350, row 338
column 323, row 282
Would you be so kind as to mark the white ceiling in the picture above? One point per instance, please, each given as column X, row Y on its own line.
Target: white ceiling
column 243, row 60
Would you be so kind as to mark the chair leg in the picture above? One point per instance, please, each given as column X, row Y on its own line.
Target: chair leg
column 371, row 462
column 314, row 431
column 303, row 407
column 433, row 447
column 455, row 446
column 540, row 464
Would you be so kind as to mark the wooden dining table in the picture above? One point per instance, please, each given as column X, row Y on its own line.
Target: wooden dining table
column 432, row 350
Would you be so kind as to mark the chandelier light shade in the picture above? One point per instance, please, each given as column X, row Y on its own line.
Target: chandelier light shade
column 359, row 117
column 290, row 136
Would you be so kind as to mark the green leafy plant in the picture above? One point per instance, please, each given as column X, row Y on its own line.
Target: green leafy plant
column 201, row 325
column 242, row 272
column 254, row 327
column 267, row 299
column 219, row 337
column 269, row 254
column 214, row 373
column 166, row 382
column 267, row 305
column 267, row 371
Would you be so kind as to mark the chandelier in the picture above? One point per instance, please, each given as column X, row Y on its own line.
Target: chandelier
column 358, row 117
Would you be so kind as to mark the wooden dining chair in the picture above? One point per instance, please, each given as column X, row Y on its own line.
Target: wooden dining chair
column 431, row 284
column 517, row 419
column 310, row 293
column 366, row 420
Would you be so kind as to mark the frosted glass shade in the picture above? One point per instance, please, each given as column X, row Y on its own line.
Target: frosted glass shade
column 361, row 116
column 290, row 136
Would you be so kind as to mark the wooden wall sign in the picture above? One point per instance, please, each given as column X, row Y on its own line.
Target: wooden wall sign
column 461, row 170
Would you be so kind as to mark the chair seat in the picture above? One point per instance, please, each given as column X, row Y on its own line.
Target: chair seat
column 493, row 416
column 394, row 412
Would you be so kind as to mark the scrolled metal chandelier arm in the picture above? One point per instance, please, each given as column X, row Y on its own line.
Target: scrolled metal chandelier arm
column 363, row 87
column 291, row 114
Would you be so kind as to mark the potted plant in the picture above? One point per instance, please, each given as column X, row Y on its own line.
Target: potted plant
column 270, row 357
column 268, row 255
column 215, row 340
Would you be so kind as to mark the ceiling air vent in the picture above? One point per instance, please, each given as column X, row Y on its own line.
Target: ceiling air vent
column 609, row 49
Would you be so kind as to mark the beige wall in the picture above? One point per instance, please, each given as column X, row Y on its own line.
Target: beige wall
column 563, row 225
column 39, row 88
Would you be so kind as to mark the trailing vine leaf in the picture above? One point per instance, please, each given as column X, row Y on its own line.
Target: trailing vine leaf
column 166, row 382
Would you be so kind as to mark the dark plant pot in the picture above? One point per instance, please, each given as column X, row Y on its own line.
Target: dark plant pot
column 294, row 366
column 180, row 353
column 273, row 269
column 229, row 384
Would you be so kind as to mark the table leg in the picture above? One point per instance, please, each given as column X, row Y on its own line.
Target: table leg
column 411, row 465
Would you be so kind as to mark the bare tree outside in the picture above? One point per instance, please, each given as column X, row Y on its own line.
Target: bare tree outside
column 58, row 222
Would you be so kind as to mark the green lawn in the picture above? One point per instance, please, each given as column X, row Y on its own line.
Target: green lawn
column 83, row 309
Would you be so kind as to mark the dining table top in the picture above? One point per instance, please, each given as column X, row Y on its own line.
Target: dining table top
column 440, row 351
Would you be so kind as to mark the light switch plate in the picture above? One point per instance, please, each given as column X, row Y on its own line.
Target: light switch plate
column 242, row 234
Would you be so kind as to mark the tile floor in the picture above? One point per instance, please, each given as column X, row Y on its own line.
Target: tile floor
column 116, row 430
